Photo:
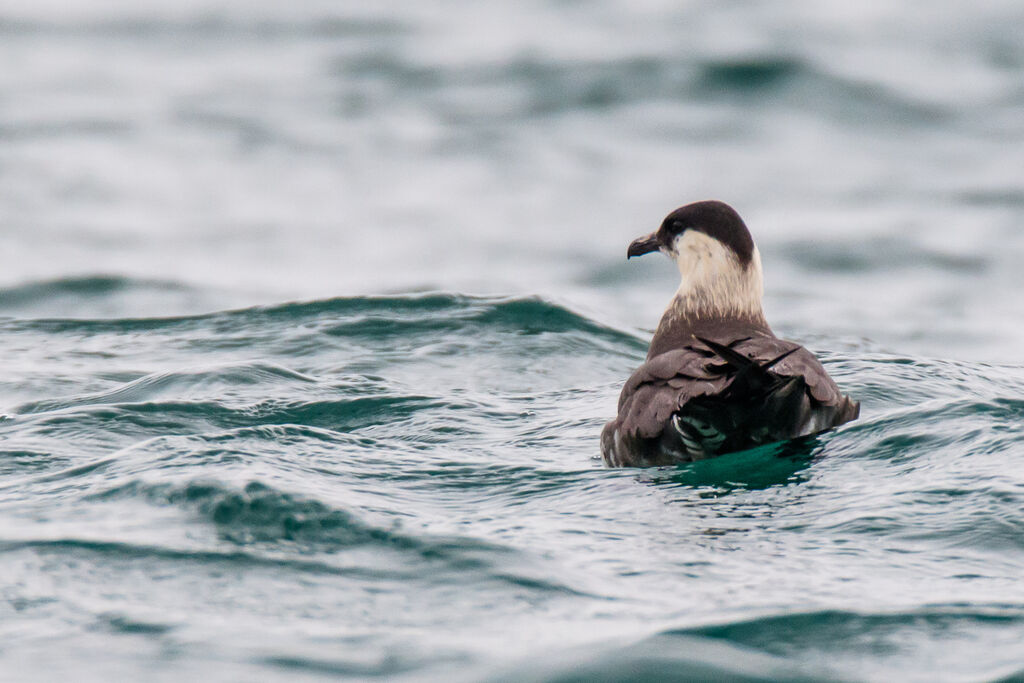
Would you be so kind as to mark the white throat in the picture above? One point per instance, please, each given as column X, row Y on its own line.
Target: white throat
column 714, row 283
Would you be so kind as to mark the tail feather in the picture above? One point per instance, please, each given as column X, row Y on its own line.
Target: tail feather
column 728, row 354
column 737, row 359
column 757, row 406
column 771, row 363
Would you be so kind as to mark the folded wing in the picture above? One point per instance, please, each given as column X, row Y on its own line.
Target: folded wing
column 747, row 390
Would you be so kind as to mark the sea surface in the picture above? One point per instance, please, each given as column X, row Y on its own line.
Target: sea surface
column 311, row 314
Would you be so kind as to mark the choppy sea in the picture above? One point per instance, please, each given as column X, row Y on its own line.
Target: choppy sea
column 311, row 314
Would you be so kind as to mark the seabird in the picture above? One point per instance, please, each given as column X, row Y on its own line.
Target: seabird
column 716, row 379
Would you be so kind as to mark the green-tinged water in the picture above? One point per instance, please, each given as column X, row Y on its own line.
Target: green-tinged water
column 387, row 486
column 311, row 316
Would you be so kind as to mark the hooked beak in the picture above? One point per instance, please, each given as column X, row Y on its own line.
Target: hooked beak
column 644, row 245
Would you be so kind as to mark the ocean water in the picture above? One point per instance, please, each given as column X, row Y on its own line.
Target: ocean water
column 311, row 314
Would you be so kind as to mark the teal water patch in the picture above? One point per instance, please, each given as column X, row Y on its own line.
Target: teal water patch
column 750, row 74
column 424, row 470
column 872, row 644
column 664, row 657
column 763, row 467
column 109, row 296
column 373, row 317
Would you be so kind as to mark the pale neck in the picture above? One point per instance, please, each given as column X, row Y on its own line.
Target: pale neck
column 713, row 282
column 716, row 291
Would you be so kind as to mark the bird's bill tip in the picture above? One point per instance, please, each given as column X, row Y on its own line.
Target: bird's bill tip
column 643, row 245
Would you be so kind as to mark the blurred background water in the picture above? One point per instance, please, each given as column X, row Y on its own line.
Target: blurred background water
column 311, row 314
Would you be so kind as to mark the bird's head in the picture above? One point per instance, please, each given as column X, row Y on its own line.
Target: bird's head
column 710, row 219
column 718, row 262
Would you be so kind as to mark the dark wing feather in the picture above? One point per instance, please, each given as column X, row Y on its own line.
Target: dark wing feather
column 665, row 383
column 792, row 360
column 805, row 364
column 661, row 385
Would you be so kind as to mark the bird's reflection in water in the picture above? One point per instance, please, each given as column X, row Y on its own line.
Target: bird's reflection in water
column 785, row 462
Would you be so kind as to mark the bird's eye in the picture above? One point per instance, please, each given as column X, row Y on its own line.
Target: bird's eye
column 678, row 226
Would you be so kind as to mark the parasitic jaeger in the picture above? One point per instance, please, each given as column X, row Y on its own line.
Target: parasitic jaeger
column 716, row 379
